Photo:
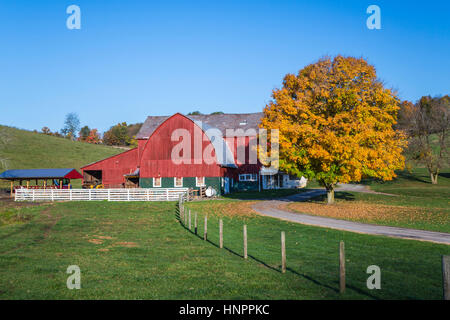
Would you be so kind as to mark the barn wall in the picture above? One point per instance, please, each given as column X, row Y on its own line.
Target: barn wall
column 234, row 143
column 153, row 157
column 141, row 145
column 156, row 156
column 188, row 182
column 245, row 185
column 113, row 168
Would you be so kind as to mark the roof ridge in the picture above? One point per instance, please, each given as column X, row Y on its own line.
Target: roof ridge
column 220, row 121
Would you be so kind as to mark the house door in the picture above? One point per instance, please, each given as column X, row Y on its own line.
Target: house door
column 268, row 182
column 226, row 187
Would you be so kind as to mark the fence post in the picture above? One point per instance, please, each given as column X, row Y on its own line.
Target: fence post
column 167, row 194
column 205, row 234
column 283, row 252
column 245, row 242
column 70, row 194
column 195, row 223
column 33, row 195
column 221, row 233
column 341, row 267
column 128, row 194
column 109, row 195
column 89, row 195
column 189, row 219
column 180, row 208
column 446, row 276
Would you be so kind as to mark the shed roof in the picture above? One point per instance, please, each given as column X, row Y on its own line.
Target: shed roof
column 222, row 122
column 68, row 173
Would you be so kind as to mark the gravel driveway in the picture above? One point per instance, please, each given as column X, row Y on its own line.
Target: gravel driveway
column 271, row 208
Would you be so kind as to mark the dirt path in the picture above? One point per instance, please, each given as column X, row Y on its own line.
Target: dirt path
column 271, row 208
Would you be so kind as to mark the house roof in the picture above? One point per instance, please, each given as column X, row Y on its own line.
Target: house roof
column 69, row 173
column 222, row 122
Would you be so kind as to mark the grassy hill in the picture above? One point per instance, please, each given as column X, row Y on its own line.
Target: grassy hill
column 30, row 150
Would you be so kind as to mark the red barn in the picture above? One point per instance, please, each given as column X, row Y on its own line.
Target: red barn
column 188, row 151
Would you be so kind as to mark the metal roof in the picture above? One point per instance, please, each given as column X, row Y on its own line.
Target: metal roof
column 224, row 155
column 69, row 173
column 222, row 122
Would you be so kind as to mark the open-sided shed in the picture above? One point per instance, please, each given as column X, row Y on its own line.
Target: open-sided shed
column 40, row 175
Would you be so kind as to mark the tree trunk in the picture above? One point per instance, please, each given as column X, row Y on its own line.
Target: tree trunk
column 330, row 194
column 434, row 177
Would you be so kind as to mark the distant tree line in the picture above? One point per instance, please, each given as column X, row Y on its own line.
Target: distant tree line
column 121, row 134
column 427, row 124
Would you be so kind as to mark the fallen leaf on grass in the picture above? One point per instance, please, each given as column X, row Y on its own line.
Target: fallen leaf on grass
column 95, row 241
column 126, row 244
column 104, row 237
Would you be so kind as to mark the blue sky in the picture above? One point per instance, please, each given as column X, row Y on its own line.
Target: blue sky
column 137, row 58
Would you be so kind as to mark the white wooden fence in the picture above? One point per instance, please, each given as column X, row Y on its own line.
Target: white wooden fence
column 151, row 194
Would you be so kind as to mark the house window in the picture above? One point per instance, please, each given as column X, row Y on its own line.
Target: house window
column 200, row 181
column 248, row 177
column 178, row 182
column 157, row 182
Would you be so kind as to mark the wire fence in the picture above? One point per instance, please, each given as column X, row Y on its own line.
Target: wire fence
column 205, row 228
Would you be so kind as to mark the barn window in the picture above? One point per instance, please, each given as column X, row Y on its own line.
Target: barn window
column 178, row 182
column 157, row 182
column 248, row 177
column 200, row 181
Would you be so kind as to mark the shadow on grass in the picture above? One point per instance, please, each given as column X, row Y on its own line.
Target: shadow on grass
column 18, row 230
column 322, row 198
column 403, row 174
column 265, row 264
column 264, row 194
column 444, row 175
column 411, row 177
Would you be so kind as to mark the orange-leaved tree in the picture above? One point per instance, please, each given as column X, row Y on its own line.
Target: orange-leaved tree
column 335, row 123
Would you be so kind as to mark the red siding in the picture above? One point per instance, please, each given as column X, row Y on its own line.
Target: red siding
column 113, row 168
column 156, row 156
column 153, row 156
column 141, row 145
column 243, row 142
column 74, row 174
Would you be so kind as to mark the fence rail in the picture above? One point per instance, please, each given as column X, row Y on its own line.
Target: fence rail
column 151, row 194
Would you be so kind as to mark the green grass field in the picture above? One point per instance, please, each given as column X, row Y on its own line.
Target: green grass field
column 29, row 150
column 141, row 251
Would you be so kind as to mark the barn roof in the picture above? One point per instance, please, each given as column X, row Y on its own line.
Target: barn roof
column 222, row 122
column 224, row 155
column 69, row 173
